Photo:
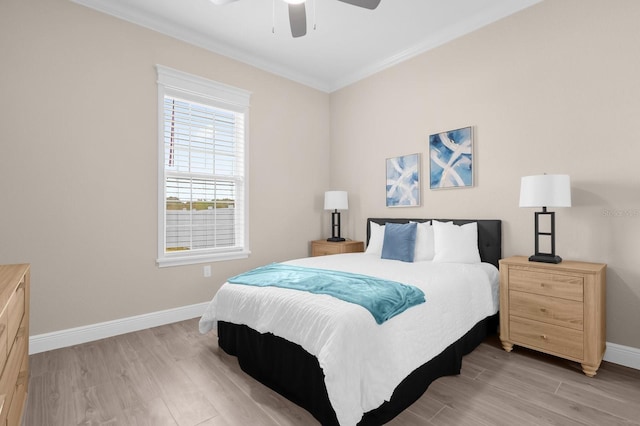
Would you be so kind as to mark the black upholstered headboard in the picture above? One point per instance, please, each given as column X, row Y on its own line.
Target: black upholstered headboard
column 489, row 234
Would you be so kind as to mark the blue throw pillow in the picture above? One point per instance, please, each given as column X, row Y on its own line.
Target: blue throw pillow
column 399, row 241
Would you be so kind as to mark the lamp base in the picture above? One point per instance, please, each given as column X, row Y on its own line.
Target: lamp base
column 546, row 258
column 335, row 239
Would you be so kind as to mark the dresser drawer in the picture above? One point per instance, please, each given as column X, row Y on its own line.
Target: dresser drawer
column 9, row 379
column 4, row 349
column 3, row 410
column 547, row 284
column 547, row 337
column 19, row 394
column 15, row 310
column 551, row 310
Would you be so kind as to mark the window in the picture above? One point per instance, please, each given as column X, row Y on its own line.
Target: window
column 202, row 188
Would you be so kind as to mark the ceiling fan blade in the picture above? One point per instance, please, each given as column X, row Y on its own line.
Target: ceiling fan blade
column 221, row 2
column 367, row 4
column 298, row 19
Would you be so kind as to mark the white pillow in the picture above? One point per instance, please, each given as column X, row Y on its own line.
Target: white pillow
column 376, row 239
column 425, row 249
column 455, row 243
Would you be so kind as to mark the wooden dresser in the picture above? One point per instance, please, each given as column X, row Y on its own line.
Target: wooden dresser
column 324, row 247
column 14, row 342
column 558, row 309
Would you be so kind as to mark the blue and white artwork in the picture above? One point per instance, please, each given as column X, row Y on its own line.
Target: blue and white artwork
column 403, row 181
column 451, row 159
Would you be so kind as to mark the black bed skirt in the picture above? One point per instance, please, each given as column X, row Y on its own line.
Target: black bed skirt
column 291, row 371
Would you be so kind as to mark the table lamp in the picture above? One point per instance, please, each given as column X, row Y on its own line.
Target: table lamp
column 335, row 200
column 545, row 191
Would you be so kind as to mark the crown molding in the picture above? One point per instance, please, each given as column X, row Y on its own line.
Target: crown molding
column 461, row 29
column 163, row 26
column 195, row 38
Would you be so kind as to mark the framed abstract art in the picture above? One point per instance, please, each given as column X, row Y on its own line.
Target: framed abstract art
column 451, row 159
column 403, row 181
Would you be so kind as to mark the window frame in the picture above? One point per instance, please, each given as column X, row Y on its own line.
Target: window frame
column 197, row 89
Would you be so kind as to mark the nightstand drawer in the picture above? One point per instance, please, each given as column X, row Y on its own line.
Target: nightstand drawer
column 548, row 284
column 326, row 249
column 550, row 338
column 552, row 310
column 323, row 247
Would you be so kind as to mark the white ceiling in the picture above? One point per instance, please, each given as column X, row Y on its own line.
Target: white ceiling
column 348, row 43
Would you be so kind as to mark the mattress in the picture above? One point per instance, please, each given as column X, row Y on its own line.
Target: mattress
column 362, row 361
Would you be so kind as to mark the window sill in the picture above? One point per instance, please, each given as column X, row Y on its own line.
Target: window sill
column 200, row 258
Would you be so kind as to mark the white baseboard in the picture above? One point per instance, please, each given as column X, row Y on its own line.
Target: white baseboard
column 617, row 354
column 74, row 336
column 623, row 355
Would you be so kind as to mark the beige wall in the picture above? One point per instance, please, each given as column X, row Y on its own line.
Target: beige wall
column 552, row 89
column 78, row 173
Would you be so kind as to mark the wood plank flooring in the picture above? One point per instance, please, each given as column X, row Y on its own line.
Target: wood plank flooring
column 172, row 375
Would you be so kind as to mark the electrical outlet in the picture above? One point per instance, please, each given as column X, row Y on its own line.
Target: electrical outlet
column 206, row 271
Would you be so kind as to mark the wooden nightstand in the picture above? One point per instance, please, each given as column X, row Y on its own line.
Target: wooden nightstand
column 558, row 309
column 324, row 247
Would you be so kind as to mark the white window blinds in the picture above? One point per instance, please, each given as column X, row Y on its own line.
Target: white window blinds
column 203, row 175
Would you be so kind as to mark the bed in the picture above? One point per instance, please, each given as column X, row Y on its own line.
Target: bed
column 302, row 345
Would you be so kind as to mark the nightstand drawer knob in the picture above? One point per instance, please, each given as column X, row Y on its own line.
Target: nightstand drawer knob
column 544, row 337
column 543, row 310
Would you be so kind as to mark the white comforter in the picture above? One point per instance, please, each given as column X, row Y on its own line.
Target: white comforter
column 362, row 361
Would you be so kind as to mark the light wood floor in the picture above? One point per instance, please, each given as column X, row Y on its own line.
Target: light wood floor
column 172, row 375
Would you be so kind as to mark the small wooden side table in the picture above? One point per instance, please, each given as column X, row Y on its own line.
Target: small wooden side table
column 558, row 309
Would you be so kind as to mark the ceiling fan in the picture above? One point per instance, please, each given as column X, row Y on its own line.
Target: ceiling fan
column 298, row 13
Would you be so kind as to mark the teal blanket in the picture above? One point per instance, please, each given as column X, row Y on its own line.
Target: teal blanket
column 384, row 299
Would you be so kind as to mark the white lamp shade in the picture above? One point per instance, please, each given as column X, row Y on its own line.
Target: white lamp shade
column 336, row 200
column 545, row 191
